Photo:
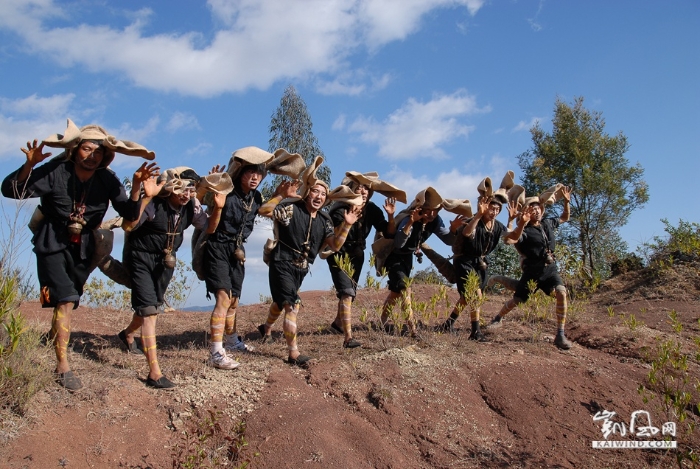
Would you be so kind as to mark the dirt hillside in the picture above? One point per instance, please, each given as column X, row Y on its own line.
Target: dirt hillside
column 438, row 401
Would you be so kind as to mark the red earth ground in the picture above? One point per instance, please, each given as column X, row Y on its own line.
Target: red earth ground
column 438, row 401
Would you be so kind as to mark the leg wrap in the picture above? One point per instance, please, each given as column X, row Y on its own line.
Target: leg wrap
column 60, row 332
column 272, row 315
column 290, row 326
column 217, row 327
column 560, row 291
column 345, row 314
column 231, row 317
column 389, row 304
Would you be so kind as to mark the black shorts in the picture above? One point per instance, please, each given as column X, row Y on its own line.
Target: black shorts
column 345, row 285
column 465, row 265
column 547, row 280
column 62, row 276
column 149, row 281
column 222, row 271
column 285, row 282
column 399, row 266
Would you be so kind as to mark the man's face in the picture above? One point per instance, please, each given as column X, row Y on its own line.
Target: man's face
column 428, row 214
column 316, row 197
column 363, row 191
column 250, row 180
column 181, row 199
column 537, row 212
column 89, row 156
column 492, row 212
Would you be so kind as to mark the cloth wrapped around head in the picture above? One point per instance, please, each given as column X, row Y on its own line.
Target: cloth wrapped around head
column 178, row 180
column 430, row 198
column 353, row 179
column 280, row 162
column 73, row 135
column 548, row 197
column 500, row 195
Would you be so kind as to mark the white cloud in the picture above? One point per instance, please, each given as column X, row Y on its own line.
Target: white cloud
column 199, row 149
column 137, row 134
column 182, row 121
column 258, row 43
column 339, row 122
column 420, row 129
column 526, row 126
column 30, row 118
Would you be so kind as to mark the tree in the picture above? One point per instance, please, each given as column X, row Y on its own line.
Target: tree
column 606, row 188
column 291, row 128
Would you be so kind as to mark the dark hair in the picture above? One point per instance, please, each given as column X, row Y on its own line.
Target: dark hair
column 190, row 175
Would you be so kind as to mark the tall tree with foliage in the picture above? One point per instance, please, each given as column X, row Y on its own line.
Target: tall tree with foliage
column 606, row 187
column 291, row 128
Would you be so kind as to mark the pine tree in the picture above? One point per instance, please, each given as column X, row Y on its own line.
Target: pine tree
column 291, row 129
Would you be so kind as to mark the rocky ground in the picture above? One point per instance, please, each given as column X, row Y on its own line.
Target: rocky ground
column 438, row 401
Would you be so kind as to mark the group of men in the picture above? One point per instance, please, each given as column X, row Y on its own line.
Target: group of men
column 76, row 188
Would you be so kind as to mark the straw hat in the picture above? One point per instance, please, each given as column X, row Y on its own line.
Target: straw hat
column 345, row 195
column 308, row 178
column 284, row 163
column 73, row 135
column 247, row 156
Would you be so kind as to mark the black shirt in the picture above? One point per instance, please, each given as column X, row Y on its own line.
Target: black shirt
column 292, row 240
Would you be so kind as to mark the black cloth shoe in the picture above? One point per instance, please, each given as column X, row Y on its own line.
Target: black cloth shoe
column 562, row 342
column 352, row 343
column 69, row 381
column 126, row 346
column 477, row 335
column 302, row 361
column 446, row 327
column 160, row 383
column 266, row 339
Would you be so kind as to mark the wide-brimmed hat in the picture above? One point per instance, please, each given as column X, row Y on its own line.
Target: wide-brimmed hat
column 73, row 135
column 177, row 180
column 458, row 206
column 430, row 198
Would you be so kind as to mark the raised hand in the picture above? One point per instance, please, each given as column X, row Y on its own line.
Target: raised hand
column 289, row 189
column 457, row 222
column 566, row 193
column 217, row 169
column 35, row 154
column 219, row 200
column 145, row 172
column 512, row 209
column 352, row 214
column 390, row 206
column 416, row 215
column 483, row 205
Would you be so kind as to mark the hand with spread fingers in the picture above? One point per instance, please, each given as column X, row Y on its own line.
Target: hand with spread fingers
column 217, row 169
column 457, row 222
column 390, row 206
column 289, row 189
column 35, row 153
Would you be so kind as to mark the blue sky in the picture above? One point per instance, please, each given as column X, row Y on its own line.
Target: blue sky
column 431, row 92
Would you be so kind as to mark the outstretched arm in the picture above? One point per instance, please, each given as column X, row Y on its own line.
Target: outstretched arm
column 215, row 217
column 390, row 209
column 513, row 236
column 287, row 189
column 35, row 155
column 566, row 213
column 336, row 241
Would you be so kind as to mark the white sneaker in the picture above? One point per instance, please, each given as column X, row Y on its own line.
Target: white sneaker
column 237, row 345
column 221, row 361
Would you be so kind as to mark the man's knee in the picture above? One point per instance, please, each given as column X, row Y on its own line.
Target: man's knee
column 560, row 291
